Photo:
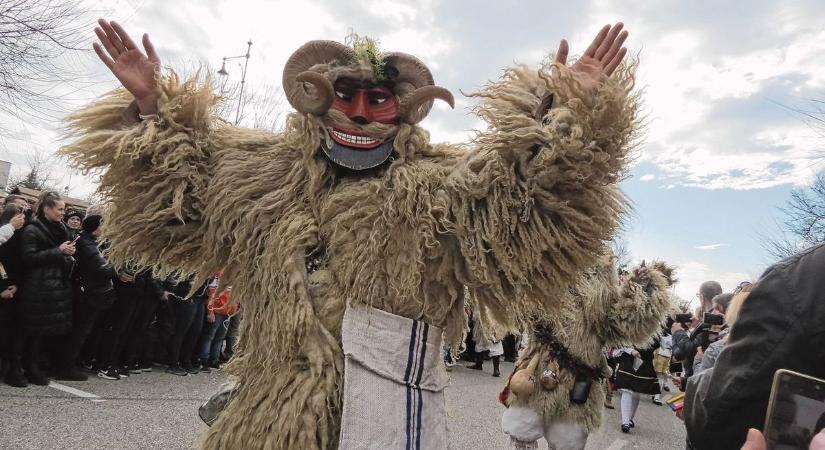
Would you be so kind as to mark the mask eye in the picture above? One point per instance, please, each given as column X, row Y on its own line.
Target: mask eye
column 377, row 98
column 545, row 120
column 343, row 96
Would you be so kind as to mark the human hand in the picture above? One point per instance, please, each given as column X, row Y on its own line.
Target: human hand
column 210, row 317
column 9, row 292
column 676, row 380
column 67, row 248
column 676, row 327
column 636, row 354
column 138, row 73
column 18, row 221
column 125, row 277
column 700, row 352
column 755, row 441
column 600, row 59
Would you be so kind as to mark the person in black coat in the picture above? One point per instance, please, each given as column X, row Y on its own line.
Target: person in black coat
column 188, row 310
column 46, row 293
column 74, row 223
column 11, row 336
column 138, row 351
column 95, row 292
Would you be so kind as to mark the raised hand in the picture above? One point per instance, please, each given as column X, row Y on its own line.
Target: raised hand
column 601, row 58
column 137, row 72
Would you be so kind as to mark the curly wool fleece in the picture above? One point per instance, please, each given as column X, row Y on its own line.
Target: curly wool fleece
column 189, row 192
column 596, row 313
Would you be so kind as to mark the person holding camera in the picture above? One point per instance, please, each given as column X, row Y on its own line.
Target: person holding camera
column 727, row 305
column 686, row 345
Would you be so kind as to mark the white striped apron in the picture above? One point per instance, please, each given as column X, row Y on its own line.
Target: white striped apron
column 394, row 379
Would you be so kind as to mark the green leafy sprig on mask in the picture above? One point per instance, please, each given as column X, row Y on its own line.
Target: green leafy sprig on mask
column 365, row 50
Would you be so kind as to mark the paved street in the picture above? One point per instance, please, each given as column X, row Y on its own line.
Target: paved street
column 157, row 410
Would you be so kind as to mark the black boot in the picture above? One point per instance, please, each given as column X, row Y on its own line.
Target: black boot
column 32, row 363
column 14, row 376
column 479, row 365
column 496, row 360
column 35, row 376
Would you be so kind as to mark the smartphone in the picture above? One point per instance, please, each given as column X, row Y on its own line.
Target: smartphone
column 713, row 319
column 796, row 410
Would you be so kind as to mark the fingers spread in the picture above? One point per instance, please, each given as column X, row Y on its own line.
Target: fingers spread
column 104, row 39
column 150, row 49
column 611, row 66
column 124, row 36
column 561, row 53
column 608, row 41
column 113, row 37
column 591, row 51
column 614, row 49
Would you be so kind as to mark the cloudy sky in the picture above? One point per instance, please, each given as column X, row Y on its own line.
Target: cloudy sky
column 723, row 145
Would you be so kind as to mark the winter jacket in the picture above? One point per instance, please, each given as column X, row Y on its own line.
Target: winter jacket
column 94, row 272
column 223, row 303
column 46, row 295
column 779, row 327
column 708, row 360
column 11, row 256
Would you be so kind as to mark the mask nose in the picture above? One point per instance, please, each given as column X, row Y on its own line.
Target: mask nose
column 359, row 111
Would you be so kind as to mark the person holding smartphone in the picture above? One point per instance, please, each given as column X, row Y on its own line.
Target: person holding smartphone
column 46, row 292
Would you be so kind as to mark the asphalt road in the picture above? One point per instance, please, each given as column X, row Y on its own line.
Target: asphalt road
column 158, row 410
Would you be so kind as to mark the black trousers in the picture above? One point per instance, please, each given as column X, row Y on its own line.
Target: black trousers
column 138, row 337
column 189, row 316
column 85, row 316
column 12, row 337
column 117, row 322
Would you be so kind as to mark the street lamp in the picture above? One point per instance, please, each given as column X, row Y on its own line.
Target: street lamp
column 222, row 72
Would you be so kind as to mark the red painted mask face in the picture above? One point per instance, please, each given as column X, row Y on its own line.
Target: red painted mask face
column 363, row 105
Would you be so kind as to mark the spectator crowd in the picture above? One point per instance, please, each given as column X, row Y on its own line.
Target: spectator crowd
column 67, row 313
column 726, row 354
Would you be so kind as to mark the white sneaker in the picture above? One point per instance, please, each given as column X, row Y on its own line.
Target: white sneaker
column 657, row 400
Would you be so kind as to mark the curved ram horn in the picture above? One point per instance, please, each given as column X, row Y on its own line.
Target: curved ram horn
column 413, row 101
column 326, row 93
column 298, row 66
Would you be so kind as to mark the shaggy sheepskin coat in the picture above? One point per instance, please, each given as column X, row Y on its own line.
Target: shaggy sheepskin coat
column 596, row 313
column 527, row 204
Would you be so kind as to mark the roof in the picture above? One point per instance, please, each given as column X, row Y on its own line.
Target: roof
column 32, row 195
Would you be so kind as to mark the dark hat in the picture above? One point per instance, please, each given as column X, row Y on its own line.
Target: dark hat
column 73, row 213
column 91, row 223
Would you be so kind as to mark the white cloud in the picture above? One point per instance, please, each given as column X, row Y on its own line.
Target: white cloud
column 647, row 177
column 709, row 246
column 692, row 274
